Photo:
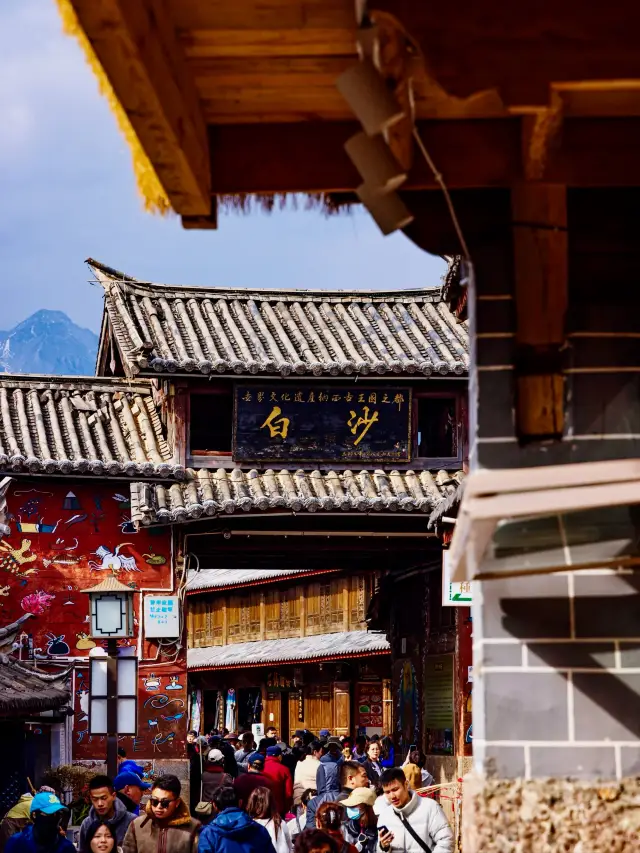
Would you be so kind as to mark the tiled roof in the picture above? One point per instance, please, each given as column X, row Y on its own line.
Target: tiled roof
column 208, row 330
column 23, row 691
column 82, row 426
column 207, row 493
column 206, row 579
column 448, row 505
column 318, row 647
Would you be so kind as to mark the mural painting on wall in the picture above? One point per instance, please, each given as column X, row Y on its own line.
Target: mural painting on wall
column 65, row 538
column 408, row 702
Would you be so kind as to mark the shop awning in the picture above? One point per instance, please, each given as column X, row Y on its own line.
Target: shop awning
column 321, row 647
column 209, row 579
column 24, row 691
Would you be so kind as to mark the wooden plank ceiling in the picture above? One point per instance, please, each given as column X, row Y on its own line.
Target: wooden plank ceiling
column 240, row 97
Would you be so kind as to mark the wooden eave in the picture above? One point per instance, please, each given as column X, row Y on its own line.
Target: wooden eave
column 240, row 98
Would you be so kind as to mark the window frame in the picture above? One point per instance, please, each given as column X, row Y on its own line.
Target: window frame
column 438, row 461
column 204, row 458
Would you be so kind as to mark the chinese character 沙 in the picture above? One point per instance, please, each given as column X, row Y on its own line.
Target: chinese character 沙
column 277, row 426
column 365, row 420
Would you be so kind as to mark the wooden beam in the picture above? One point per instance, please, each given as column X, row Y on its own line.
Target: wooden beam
column 310, row 157
column 136, row 44
column 470, row 153
column 541, row 297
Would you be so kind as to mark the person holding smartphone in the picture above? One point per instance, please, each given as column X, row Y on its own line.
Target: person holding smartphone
column 412, row 824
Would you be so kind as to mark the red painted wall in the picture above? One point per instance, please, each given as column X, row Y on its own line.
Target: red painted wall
column 64, row 537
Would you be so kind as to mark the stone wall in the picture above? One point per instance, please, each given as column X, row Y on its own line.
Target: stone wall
column 550, row 816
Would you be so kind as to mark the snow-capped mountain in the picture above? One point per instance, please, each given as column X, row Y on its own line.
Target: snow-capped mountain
column 48, row 342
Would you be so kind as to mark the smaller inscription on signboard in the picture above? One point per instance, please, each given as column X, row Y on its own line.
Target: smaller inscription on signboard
column 316, row 423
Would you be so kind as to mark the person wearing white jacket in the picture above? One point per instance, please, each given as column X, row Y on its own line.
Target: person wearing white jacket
column 411, row 824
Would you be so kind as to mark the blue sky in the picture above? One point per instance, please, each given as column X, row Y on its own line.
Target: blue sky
column 67, row 192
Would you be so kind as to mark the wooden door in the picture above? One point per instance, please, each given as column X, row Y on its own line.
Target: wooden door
column 318, row 708
column 273, row 709
column 341, row 708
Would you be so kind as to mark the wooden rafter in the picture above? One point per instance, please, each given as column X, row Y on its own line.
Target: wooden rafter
column 136, row 44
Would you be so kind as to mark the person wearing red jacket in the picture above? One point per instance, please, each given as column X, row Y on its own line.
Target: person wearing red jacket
column 282, row 783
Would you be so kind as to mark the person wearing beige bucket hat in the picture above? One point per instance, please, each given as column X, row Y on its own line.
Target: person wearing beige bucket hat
column 360, row 826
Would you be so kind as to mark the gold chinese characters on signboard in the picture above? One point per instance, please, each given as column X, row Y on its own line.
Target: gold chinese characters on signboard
column 322, row 423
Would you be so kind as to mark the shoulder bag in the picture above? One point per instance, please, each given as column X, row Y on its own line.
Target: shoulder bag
column 414, row 834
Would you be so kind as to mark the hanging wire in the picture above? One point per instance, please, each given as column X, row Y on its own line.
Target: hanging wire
column 447, row 197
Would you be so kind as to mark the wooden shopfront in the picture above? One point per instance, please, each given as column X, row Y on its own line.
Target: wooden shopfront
column 292, row 646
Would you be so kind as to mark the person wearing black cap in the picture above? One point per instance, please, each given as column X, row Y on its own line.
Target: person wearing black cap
column 252, row 779
column 282, row 783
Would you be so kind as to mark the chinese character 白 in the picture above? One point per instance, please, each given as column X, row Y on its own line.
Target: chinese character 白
column 364, row 420
column 277, row 426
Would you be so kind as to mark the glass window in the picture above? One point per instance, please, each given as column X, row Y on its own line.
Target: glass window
column 210, row 423
column 437, row 433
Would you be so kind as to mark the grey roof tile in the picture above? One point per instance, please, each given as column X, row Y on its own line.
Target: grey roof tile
column 320, row 646
column 24, row 691
column 269, row 332
column 86, row 426
column 208, row 492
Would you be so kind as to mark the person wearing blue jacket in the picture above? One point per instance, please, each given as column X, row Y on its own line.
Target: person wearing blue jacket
column 232, row 830
column 328, row 774
column 45, row 834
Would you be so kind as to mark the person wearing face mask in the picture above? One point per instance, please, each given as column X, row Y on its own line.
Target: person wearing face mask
column 167, row 825
column 101, row 838
column 360, row 827
column 46, row 834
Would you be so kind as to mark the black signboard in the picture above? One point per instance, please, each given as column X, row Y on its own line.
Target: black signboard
column 322, row 423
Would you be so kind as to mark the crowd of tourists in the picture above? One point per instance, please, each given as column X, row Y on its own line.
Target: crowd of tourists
column 321, row 795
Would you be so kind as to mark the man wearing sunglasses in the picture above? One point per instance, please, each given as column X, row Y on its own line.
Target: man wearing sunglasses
column 167, row 825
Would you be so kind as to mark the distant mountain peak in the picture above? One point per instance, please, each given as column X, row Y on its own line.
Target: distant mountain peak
column 48, row 342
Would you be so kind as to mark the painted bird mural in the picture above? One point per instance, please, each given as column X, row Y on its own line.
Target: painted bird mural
column 113, row 561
